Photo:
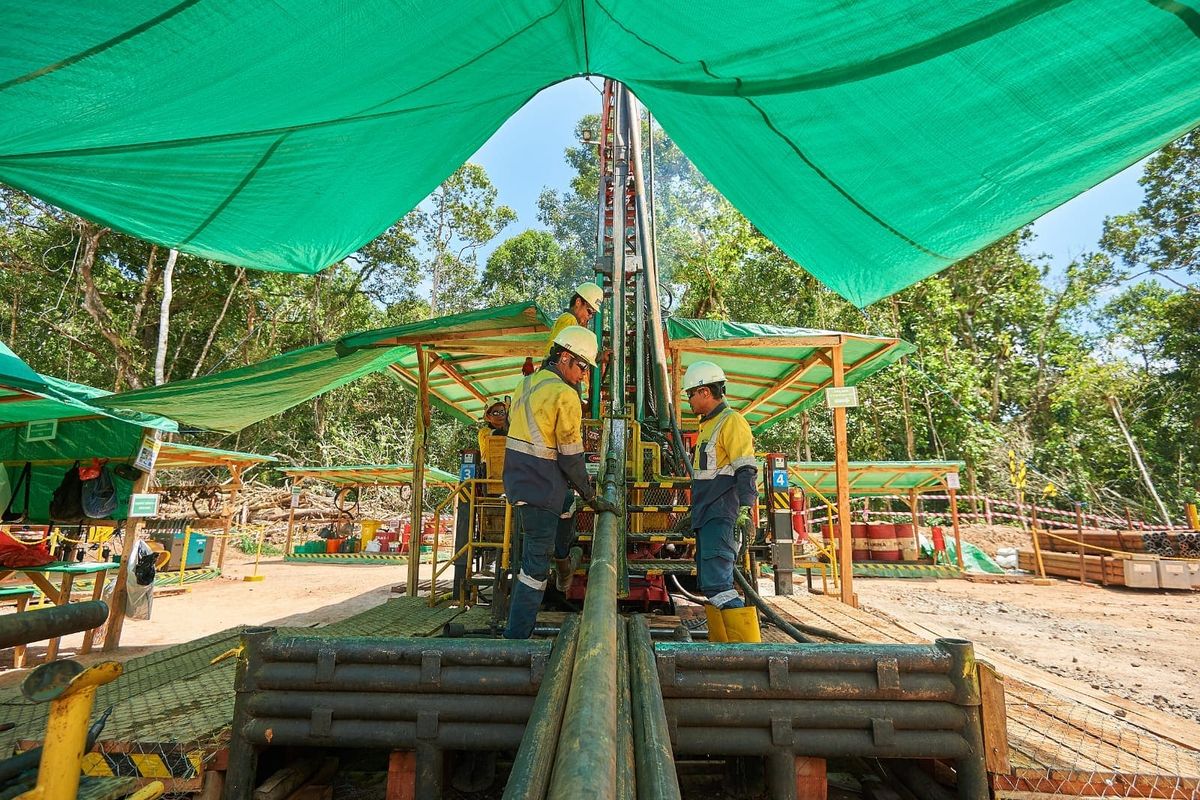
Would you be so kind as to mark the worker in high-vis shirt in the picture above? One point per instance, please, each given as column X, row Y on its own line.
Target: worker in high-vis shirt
column 543, row 468
column 583, row 306
column 724, row 471
column 495, row 423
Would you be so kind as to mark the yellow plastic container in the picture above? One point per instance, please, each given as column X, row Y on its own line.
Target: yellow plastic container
column 369, row 528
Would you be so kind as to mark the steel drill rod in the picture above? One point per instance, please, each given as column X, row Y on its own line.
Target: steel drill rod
column 971, row 769
column 802, row 657
column 530, row 774
column 282, row 676
column 805, row 686
column 396, row 707
column 587, row 751
column 806, row 714
column 655, row 762
column 819, row 743
column 48, row 623
column 382, row 650
column 383, row 735
column 626, row 759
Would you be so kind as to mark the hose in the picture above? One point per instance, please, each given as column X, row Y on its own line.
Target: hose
column 797, row 631
column 695, row 598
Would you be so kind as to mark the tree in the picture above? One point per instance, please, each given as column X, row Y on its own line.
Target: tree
column 459, row 218
column 532, row 266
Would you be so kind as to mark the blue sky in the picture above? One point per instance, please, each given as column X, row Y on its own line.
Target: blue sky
column 526, row 154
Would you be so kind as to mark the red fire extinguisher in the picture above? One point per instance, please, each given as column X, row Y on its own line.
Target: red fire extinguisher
column 797, row 502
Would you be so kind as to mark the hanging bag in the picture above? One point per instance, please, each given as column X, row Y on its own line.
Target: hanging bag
column 66, row 506
column 99, row 495
column 25, row 480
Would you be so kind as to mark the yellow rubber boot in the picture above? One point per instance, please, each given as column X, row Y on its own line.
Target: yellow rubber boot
column 741, row 624
column 716, row 624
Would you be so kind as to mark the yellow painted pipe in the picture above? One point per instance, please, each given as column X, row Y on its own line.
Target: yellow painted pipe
column 66, row 734
column 148, row 792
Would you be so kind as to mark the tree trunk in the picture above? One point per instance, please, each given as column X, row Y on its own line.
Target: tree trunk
column 164, row 318
column 93, row 304
column 804, row 436
column 237, row 278
column 1115, row 405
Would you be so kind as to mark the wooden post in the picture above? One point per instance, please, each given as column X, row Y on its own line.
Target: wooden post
column 954, row 522
column 676, row 386
column 987, row 510
column 842, row 466
column 811, row 781
column 235, row 484
column 1037, row 546
column 418, row 482
column 116, row 614
column 1082, row 560
column 293, row 499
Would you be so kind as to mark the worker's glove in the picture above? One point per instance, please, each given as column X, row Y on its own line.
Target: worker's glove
column 601, row 505
column 743, row 517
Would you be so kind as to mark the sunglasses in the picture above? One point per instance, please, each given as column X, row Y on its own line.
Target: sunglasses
column 498, row 412
column 691, row 392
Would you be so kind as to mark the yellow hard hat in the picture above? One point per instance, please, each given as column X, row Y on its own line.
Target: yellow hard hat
column 578, row 341
column 702, row 373
column 592, row 294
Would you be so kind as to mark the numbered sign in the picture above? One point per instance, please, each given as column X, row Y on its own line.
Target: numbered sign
column 779, row 479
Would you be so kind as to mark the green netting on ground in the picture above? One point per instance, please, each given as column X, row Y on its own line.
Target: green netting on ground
column 368, row 474
column 874, row 477
column 876, row 142
column 775, row 372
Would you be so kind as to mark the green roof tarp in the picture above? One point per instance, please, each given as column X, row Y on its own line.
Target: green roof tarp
column 483, row 350
column 173, row 455
column 774, row 372
column 869, row 478
column 876, row 142
column 229, row 401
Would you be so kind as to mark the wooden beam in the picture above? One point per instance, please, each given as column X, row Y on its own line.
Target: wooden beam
column 116, row 612
column 434, row 342
column 795, row 374
column 820, row 341
column 449, row 369
column 418, row 483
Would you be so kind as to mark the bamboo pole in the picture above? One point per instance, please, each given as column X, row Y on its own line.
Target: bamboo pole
column 842, row 463
column 418, row 482
column 293, row 500
column 1079, row 528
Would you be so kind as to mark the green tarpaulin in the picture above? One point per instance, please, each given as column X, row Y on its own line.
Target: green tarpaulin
column 476, row 354
column 876, row 142
column 775, row 372
column 869, row 478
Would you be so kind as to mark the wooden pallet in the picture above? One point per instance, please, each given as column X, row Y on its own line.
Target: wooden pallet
column 1065, row 739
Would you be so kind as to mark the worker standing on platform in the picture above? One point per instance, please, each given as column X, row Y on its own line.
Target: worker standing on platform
column 724, row 471
column 495, row 423
column 583, row 306
column 543, row 462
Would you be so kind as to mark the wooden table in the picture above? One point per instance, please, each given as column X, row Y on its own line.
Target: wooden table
column 61, row 595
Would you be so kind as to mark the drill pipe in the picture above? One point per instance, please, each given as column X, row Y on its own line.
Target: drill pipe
column 626, row 760
column 531, row 769
column 47, row 623
column 383, row 650
column 365, row 678
column 824, row 714
column 820, row 743
column 587, row 752
column 656, row 778
column 832, row 685
column 381, row 735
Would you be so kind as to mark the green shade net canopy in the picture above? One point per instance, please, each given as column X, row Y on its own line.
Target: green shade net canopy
column 474, row 356
column 369, row 474
column 876, row 142
column 775, row 372
column 868, row 478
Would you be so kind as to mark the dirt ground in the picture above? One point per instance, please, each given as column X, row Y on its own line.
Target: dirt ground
column 1137, row 645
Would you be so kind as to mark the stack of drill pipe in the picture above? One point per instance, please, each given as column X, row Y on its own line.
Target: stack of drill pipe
column 1097, row 568
column 1124, row 541
column 817, row 700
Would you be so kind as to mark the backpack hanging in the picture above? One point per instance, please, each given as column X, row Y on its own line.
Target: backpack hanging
column 25, row 479
column 99, row 496
column 66, row 506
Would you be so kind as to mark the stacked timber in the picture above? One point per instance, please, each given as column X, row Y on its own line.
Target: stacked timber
column 1179, row 545
column 1097, row 569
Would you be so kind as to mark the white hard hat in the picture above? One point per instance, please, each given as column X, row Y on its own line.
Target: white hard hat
column 578, row 341
column 592, row 294
column 702, row 373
